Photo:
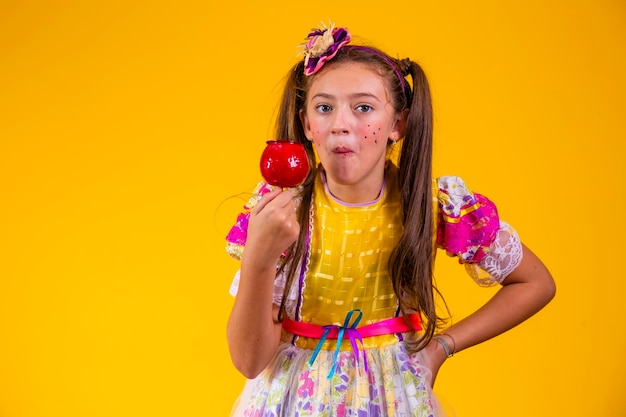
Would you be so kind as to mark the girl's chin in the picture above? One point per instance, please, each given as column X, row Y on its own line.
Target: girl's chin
column 344, row 177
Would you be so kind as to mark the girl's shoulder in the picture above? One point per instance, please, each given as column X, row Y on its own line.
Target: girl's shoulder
column 452, row 191
column 455, row 197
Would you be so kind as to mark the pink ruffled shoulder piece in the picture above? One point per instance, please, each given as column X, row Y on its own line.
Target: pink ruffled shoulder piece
column 467, row 223
column 236, row 238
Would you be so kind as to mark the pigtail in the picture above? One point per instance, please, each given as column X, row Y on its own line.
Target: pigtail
column 411, row 262
column 289, row 127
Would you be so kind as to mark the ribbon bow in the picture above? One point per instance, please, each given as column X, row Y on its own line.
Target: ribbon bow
column 349, row 328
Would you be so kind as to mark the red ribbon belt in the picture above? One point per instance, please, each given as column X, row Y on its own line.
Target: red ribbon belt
column 355, row 334
column 388, row 326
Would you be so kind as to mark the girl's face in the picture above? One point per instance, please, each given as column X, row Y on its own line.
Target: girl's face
column 349, row 118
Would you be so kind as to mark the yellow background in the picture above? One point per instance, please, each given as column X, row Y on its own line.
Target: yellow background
column 127, row 126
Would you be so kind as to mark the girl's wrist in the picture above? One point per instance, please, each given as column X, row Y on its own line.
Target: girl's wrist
column 254, row 259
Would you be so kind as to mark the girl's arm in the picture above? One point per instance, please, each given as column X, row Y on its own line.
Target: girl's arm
column 524, row 292
column 253, row 331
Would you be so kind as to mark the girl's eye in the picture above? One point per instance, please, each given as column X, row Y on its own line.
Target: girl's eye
column 364, row 108
column 323, row 108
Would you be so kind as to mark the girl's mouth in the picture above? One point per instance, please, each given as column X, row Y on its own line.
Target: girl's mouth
column 342, row 151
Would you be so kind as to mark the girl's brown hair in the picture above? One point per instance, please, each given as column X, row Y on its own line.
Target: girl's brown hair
column 411, row 262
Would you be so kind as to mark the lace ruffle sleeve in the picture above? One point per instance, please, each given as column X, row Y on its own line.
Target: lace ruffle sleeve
column 504, row 256
column 468, row 227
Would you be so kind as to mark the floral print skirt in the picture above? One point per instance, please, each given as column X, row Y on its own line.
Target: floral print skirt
column 396, row 383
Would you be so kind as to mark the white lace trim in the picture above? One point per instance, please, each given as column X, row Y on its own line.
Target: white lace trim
column 292, row 297
column 234, row 285
column 505, row 254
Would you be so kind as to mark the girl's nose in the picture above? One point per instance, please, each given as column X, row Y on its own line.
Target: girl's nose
column 340, row 123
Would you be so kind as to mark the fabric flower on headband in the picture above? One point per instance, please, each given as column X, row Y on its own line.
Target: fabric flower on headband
column 323, row 44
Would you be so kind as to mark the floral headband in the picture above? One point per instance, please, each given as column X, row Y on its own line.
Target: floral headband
column 324, row 43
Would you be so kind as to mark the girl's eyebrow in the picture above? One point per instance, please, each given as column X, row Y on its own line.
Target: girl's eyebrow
column 355, row 95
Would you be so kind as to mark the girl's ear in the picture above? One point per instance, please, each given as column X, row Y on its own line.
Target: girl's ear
column 399, row 124
column 306, row 125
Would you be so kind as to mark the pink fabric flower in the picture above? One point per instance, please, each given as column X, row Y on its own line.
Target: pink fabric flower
column 323, row 44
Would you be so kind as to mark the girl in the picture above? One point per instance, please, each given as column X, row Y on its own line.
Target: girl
column 335, row 304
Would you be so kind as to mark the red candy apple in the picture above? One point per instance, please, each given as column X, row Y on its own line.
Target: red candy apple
column 284, row 163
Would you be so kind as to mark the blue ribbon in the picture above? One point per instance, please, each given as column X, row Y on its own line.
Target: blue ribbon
column 353, row 336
